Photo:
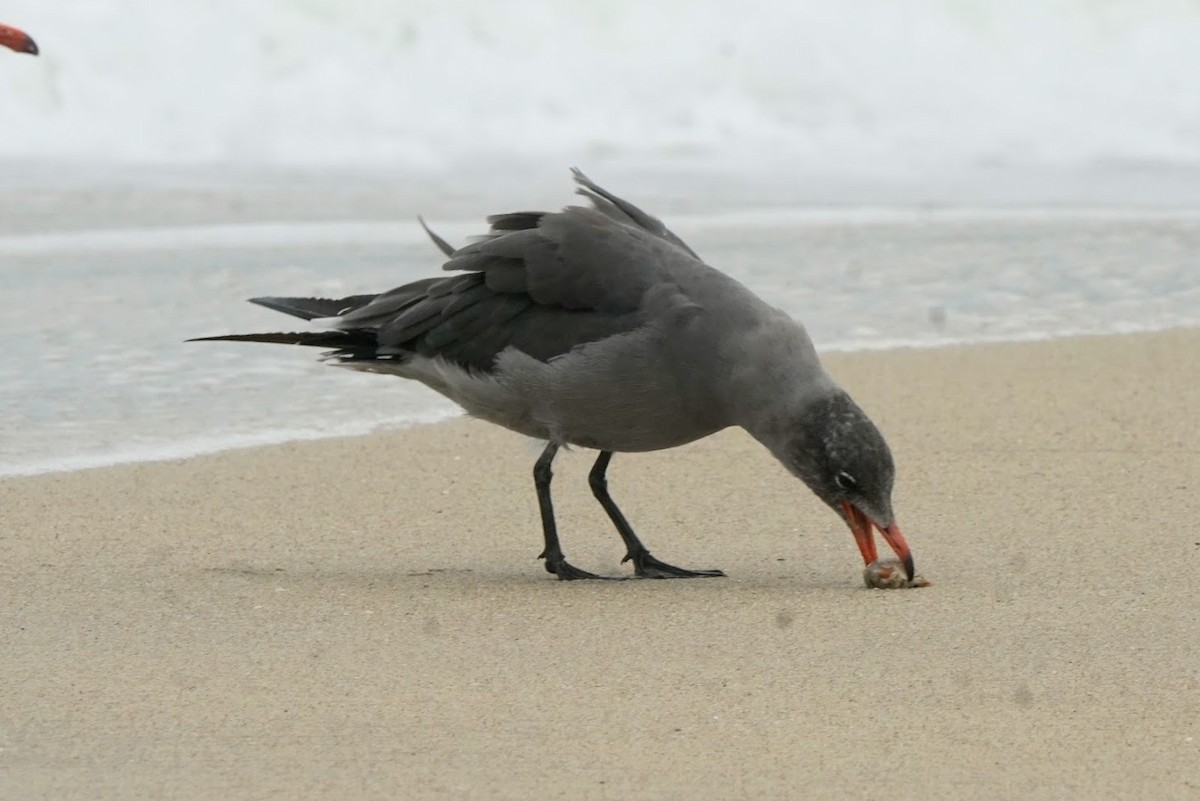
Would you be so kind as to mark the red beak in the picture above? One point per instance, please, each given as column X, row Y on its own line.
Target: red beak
column 861, row 526
column 17, row 40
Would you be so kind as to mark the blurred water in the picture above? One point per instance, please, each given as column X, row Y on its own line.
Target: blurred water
column 868, row 89
column 94, row 369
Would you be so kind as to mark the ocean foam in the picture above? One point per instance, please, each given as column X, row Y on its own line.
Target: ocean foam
column 862, row 86
column 166, row 449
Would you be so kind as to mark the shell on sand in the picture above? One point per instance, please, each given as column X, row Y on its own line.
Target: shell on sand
column 888, row 574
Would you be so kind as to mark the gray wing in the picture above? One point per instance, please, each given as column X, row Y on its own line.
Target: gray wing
column 539, row 282
column 601, row 199
column 624, row 211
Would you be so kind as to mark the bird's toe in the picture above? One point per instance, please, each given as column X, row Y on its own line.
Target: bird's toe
column 646, row 566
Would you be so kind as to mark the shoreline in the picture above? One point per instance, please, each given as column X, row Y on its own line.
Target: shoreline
column 144, row 392
column 154, row 453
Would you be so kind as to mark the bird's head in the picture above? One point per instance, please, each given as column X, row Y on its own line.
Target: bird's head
column 17, row 40
column 834, row 448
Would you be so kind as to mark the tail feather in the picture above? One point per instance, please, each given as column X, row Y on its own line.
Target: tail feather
column 312, row 308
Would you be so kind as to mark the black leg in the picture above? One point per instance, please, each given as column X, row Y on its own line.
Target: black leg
column 556, row 563
column 644, row 564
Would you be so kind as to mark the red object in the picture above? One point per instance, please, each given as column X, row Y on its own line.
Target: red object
column 17, row 40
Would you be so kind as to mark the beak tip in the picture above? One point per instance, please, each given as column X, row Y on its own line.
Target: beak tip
column 892, row 534
column 17, row 40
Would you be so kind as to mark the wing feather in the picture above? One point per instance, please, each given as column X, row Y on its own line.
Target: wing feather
column 541, row 282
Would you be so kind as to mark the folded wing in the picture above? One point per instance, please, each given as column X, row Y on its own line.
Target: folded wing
column 540, row 282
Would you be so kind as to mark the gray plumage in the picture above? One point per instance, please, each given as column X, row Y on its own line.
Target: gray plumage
column 597, row 326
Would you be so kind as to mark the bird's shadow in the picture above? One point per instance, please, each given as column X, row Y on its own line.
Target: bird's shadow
column 401, row 576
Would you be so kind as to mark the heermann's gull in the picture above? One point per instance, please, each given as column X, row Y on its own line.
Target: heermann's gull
column 17, row 40
column 599, row 327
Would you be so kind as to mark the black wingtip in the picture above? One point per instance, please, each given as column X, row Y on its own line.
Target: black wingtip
column 275, row 304
column 304, row 308
column 317, row 339
column 284, row 339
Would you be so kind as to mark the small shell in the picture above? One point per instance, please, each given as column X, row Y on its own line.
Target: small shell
column 888, row 574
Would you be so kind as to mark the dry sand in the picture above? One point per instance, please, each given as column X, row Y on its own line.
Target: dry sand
column 365, row 618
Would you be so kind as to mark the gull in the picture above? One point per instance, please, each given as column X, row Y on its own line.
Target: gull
column 598, row 327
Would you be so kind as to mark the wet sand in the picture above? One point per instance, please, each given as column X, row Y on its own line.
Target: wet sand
column 365, row 618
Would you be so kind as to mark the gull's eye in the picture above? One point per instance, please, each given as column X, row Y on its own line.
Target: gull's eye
column 845, row 481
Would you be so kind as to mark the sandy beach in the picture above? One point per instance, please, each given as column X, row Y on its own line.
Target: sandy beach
column 365, row 618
